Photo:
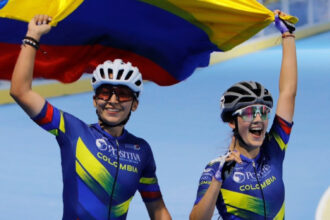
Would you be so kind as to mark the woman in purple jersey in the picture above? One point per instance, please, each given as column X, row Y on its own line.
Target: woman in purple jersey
column 93, row 186
column 246, row 183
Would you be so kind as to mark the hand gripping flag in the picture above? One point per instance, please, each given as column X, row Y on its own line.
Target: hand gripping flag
column 166, row 39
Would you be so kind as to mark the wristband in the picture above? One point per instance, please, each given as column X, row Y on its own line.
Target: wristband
column 288, row 35
column 31, row 42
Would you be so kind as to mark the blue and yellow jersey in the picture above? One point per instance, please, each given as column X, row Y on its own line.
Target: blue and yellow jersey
column 90, row 163
column 241, row 196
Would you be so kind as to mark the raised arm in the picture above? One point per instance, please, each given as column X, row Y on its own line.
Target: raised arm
column 21, row 81
column 288, row 76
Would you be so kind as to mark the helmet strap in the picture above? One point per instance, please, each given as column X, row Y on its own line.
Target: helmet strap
column 238, row 136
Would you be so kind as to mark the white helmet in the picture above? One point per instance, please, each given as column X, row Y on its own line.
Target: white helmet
column 122, row 74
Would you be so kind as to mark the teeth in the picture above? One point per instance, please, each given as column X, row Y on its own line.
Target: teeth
column 256, row 129
column 112, row 110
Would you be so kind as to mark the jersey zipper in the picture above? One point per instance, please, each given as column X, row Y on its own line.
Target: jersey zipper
column 114, row 182
column 262, row 192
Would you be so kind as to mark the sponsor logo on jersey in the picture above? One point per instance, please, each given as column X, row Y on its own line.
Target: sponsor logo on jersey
column 103, row 145
column 263, row 185
column 239, row 177
column 126, row 167
column 132, row 146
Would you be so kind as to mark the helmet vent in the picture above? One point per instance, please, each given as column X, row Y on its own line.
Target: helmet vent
column 129, row 74
column 247, row 99
column 257, row 91
column 138, row 83
column 93, row 79
column 247, row 85
column 102, row 73
column 120, row 73
column 229, row 99
column 268, row 99
column 110, row 73
column 238, row 90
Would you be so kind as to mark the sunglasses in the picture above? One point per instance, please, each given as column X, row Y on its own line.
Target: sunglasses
column 122, row 93
column 249, row 113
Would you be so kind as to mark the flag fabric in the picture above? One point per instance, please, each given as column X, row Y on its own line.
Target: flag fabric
column 166, row 39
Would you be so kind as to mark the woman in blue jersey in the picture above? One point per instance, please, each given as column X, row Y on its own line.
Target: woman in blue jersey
column 103, row 165
column 246, row 182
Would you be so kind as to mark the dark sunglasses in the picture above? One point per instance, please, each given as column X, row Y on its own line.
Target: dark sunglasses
column 122, row 93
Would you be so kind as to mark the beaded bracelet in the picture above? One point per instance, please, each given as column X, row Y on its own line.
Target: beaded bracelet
column 30, row 41
column 288, row 35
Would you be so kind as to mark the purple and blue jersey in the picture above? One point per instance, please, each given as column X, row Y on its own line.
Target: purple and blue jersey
column 90, row 164
column 255, row 182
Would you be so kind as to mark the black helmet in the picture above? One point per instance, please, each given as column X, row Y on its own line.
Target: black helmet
column 241, row 95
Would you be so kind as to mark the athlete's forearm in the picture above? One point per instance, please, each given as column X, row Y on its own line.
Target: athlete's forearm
column 205, row 208
column 288, row 75
column 162, row 215
column 158, row 211
column 21, row 80
column 288, row 80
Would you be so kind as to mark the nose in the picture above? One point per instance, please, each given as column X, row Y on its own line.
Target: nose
column 257, row 117
column 113, row 98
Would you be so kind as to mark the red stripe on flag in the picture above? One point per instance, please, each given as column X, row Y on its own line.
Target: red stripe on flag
column 68, row 63
column 151, row 195
column 284, row 125
column 48, row 116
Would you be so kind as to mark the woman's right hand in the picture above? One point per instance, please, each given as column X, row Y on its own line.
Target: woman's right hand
column 231, row 156
column 38, row 26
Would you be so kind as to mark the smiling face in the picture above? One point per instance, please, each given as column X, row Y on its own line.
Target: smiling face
column 112, row 111
column 252, row 124
column 253, row 133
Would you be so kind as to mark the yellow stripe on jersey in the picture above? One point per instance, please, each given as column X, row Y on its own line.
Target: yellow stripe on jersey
column 279, row 141
column 145, row 180
column 122, row 208
column 54, row 132
column 88, row 180
column 238, row 212
column 280, row 214
column 93, row 166
column 243, row 201
column 62, row 124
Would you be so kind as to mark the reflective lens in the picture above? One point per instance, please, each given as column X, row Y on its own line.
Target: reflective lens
column 249, row 113
column 122, row 93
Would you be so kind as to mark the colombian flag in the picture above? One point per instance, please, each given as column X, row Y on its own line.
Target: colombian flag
column 166, row 39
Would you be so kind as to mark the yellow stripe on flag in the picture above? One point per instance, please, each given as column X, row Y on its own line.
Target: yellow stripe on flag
column 227, row 22
column 25, row 10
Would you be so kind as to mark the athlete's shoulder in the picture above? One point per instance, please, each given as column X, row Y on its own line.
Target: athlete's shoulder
column 137, row 140
column 217, row 160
